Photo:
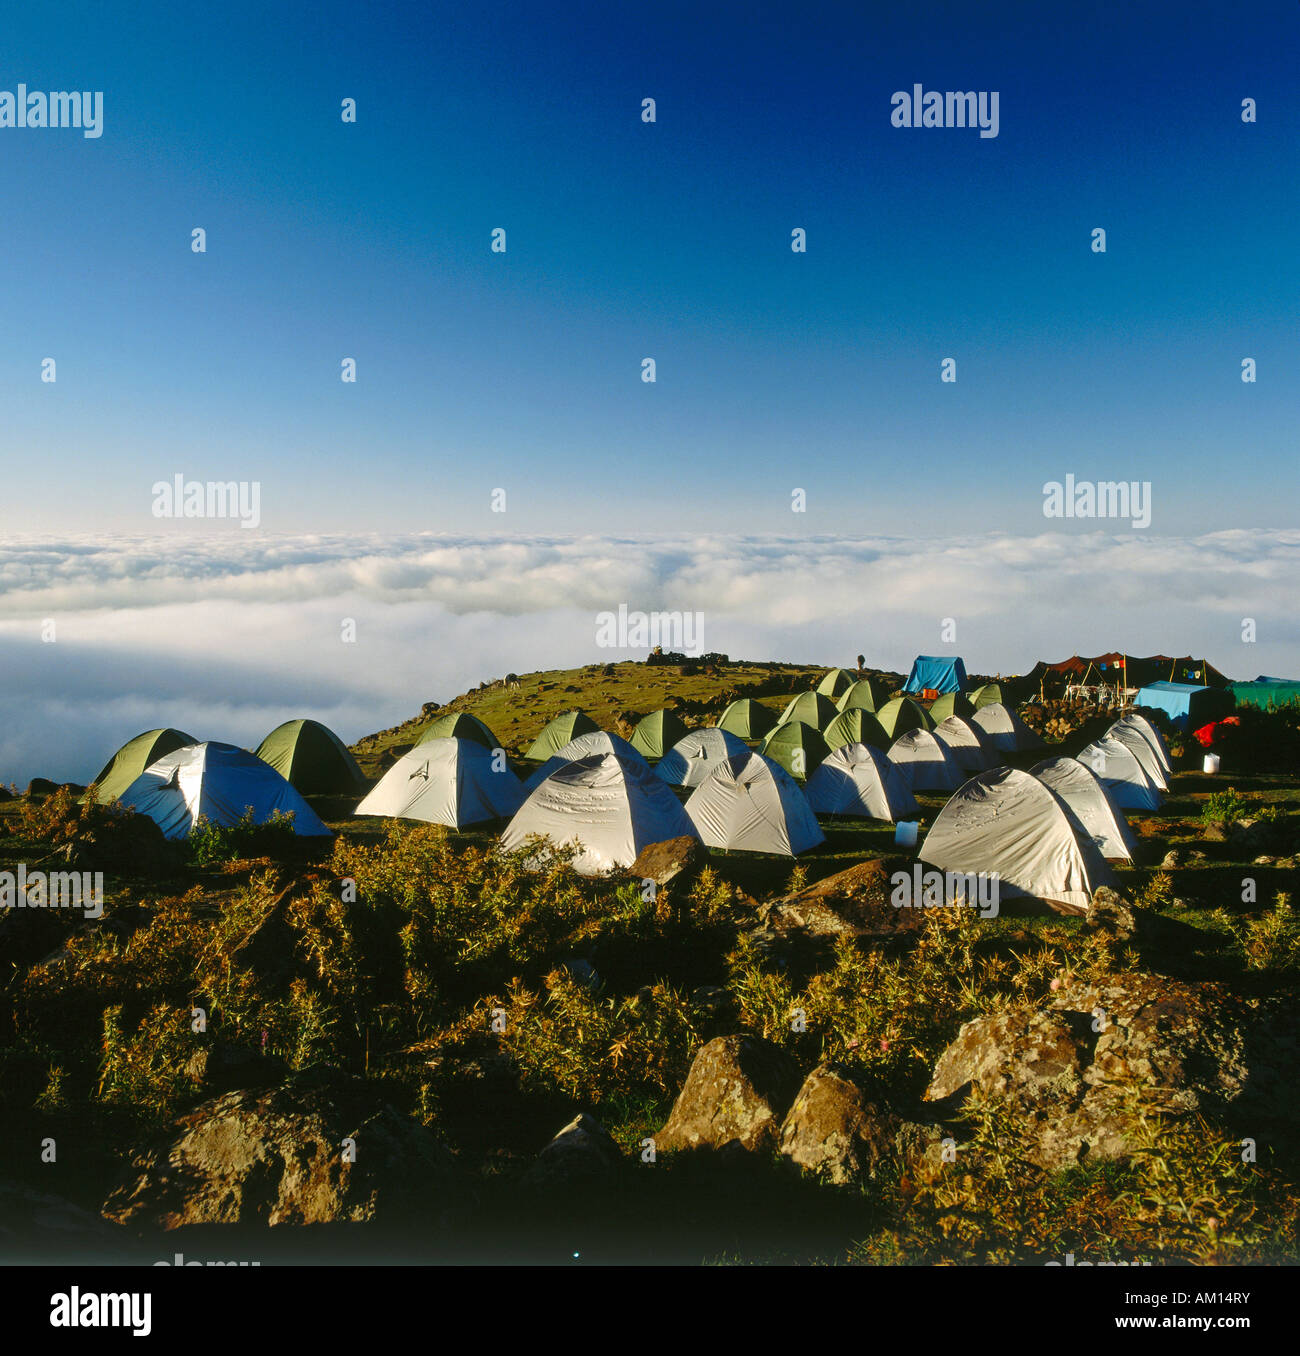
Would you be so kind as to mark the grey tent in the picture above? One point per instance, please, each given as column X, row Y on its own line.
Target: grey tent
column 1103, row 821
column 859, row 780
column 971, row 748
column 693, row 758
column 597, row 741
column 1143, row 750
column 749, row 804
column 1135, row 720
column 1008, row 732
column 1123, row 775
column 456, row 782
column 926, row 763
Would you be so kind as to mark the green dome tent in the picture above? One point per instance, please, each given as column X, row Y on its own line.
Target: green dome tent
column 855, row 726
column 990, row 694
column 951, row 704
column 795, row 746
column 461, row 725
column 564, row 729
column 311, row 758
column 133, row 757
column 902, row 715
column 835, row 684
column 656, row 733
column 747, row 719
column 868, row 693
column 811, row 708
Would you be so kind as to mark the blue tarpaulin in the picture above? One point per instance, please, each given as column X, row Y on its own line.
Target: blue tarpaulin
column 1185, row 704
column 939, row 673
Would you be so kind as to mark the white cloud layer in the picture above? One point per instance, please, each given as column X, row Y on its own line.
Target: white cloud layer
column 225, row 637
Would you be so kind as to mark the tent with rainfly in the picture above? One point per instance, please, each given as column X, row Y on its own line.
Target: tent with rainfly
column 902, row 714
column 691, row 760
column 1086, row 795
column 869, row 693
column 595, row 741
column 312, row 758
column 1009, row 824
column 747, row 719
column 217, row 782
column 835, row 684
column 796, row 746
column 925, row 762
column 1008, row 733
column 1122, row 774
column 456, row 782
column 565, row 728
column 133, row 757
column 749, row 804
column 461, row 725
column 861, row 781
column 656, row 733
column 811, row 708
column 855, row 726
column 607, row 806
column 936, row 673
column 971, row 748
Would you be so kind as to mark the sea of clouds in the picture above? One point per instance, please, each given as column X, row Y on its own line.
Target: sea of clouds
column 225, row 637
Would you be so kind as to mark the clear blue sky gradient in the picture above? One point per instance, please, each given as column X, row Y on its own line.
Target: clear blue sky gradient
column 669, row 241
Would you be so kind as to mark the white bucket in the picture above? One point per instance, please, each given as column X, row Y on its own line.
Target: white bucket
column 905, row 833
column 1211, row 763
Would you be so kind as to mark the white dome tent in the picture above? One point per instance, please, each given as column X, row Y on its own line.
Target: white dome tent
column 1008, row 732
column 1122, row 774
column 1147, row 729
column 971, row 748
column 607, row 805
column 859, row 780
column 926, row 763
column 694, row 757
column 596, row 741
column 217, row 782
column 1086, row 795
column 751, row 804
column 1143, row 750
column 449, row 781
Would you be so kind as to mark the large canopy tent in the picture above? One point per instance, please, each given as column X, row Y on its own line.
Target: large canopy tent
column 860, row 781
column 1009, row 824
column 133, row 757
column 1266, row 692
column 565, row 728
column 1143, row 750
column 951, row 704
column 1123, row 775
column 1119, row 669
column 690, row 761
column 456, row 782
column 608, row 806
column 902, row 714
column 869, row 693
column 855, row 726
column 595, row 741
column 218, row 782
column 461, row 725
column 811, row 708
column 311, row 757
column 835, row 684
column 796, row 746
column 749, row 804
column 936, row 673
column 1137, row 721
column 1086, row 795
column 926, row 763
column 1187, row 705
column 747, row 719
column 1007, row 731
column 656, row 733
column 971, row 748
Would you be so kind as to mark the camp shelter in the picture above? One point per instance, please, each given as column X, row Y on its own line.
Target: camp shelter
column 902, row 714
column 696, row 754
column 747, row 719
column 856, row 779
column 595, row 741
column 1143, row 751
column 461, row 725
column 656, row 733
column 1008, row 732
column 1008, row 824
column 796, row 746
column 868, row 693
column 607, row 806
column 971, row 748
column 219, row 783
column 990, row 694
column 936, row 673
column 1266, row 692
column 1186, row 705
column 1137, row 721
column 857, row 725
column 133, row 757
column 1117, row 669
column 456, row 782
column 312, row 758
column 1122, row 773
column 565, row 728
column 835, row 684
column 926, row 763
column 811, row 708
column 750, row 804
column 951, row 704
column 1086, row 795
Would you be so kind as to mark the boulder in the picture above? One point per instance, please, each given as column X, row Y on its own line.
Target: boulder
column 736, row 1093
column 581, row 1156
column 315, row 1150
column 41, row 786
column 667, row 860
column 851, row 903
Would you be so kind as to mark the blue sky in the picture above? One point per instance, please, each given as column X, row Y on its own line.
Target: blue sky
column 669, row 241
